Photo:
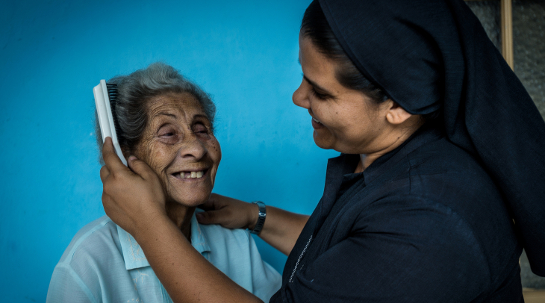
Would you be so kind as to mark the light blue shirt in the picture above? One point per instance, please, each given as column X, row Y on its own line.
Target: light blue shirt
column 103, row 263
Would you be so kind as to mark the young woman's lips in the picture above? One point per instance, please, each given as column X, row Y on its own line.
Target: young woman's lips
column 316, row 124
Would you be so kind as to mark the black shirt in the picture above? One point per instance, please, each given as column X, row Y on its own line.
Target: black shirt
column 423, row 223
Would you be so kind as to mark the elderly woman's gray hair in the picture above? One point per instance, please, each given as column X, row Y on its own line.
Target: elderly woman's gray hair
column 136, row 89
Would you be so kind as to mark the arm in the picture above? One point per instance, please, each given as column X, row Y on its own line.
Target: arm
column 185, row 274
column 281, row 229
column 135, row 201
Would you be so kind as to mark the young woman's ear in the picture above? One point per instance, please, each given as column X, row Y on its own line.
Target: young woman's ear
column 396, row 114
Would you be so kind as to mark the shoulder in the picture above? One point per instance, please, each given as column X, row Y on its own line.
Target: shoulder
column 442, row 156
column 446, row 174
column 92, row 241
column 90, row 258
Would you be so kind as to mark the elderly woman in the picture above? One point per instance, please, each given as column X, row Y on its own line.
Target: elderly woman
column 438, row 188
column 167, row 122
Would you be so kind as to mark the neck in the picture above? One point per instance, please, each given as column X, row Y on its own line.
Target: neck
column 181, row 216
column 391, row 140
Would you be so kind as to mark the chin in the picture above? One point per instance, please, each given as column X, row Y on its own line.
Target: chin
column 322, row 142
column 191, row 200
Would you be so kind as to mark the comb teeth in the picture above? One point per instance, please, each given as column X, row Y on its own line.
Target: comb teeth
column 112, row 95
column 112, row 91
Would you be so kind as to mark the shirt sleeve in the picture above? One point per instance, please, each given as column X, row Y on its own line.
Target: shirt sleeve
column 67, row 286
column 402, row 252
column 265, row 279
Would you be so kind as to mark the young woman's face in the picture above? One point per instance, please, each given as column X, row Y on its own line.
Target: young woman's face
column 178, row 144
column 343, row 119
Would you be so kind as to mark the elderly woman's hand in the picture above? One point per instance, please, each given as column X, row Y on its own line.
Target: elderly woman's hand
column 133, row 198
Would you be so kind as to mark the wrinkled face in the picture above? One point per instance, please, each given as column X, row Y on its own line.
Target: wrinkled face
column 343, row 119
column 178, row 144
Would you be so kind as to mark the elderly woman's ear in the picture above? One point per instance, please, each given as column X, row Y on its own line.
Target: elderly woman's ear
column 126, row 152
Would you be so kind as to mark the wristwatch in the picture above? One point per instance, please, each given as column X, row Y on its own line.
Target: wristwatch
column 261, row 219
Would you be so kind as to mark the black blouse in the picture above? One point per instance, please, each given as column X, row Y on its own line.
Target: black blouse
column 423, row 223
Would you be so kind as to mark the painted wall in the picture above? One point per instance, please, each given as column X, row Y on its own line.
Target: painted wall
column 244, row 53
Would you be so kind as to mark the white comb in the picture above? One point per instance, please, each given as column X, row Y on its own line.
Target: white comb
column 105, row 118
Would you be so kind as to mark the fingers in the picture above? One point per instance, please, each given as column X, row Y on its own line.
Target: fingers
column 211, row 204
column 208, row 217
column 104, row 173
column 111, row 159
column 140, row 167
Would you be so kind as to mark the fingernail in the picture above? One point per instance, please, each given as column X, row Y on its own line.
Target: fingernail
column 132, row 158
column 199, row 216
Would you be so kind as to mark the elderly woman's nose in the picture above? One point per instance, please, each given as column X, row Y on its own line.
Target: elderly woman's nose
column 192, row 147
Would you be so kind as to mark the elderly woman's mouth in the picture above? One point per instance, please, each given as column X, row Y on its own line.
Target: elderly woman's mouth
column 190, row 174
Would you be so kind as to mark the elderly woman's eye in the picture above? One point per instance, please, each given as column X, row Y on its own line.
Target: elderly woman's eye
column 200, row 129
column 166, row 132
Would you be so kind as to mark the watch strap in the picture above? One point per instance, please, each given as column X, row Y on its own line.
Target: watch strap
column 260, row 219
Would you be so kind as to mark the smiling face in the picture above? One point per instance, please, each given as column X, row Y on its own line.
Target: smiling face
column 343, row 119
column 178, row 144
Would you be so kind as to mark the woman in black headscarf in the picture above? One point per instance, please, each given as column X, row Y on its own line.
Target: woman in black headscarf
column 438, row 188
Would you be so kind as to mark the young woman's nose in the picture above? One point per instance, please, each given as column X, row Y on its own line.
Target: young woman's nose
column 300, row 96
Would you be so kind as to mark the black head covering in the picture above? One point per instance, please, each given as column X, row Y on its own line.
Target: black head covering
column 430, row 55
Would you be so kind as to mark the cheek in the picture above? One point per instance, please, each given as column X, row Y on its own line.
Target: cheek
column 215, row 151
column 155, row 155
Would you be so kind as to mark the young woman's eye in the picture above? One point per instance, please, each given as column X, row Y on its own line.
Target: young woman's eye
column 318, row 95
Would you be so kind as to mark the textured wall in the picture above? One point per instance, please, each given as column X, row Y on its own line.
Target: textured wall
column 529, row 57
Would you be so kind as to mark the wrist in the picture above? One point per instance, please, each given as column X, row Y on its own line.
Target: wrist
column 148, row 227
column 262, row 214
column 253, row 215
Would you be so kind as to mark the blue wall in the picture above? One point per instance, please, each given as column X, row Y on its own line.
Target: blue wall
column 244, row 53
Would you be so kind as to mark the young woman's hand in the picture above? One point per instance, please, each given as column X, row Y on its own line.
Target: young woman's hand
column 281, row 228
column 228, row 212
column 133, row 198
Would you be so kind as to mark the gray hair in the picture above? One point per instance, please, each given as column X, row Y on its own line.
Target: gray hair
column 133, row 93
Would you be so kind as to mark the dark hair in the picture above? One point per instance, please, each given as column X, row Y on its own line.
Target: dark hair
column 315, row 27
column 133, row 93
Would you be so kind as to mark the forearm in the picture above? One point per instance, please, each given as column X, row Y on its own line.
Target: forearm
column 282, row 228
column 186, row 275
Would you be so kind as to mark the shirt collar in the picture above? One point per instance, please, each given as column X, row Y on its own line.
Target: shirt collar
column 340, row 170
column 134, row 256
column 345, row 164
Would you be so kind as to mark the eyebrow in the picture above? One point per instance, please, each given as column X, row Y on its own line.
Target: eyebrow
column 325, row 91
column 165, row 114
column 312, row 82
column 201, row 116
column 175, row 117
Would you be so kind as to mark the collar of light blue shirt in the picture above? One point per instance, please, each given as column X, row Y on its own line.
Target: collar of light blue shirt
column 134, row 256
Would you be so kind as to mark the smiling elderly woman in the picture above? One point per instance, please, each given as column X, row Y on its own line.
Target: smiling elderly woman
column 167, row 122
